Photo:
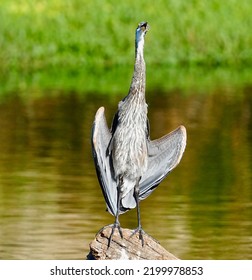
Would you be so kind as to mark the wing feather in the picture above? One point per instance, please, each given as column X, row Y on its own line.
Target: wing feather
column 100, row 139
column 165, row 154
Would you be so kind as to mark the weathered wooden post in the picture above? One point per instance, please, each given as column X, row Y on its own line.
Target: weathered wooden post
column 128, row 248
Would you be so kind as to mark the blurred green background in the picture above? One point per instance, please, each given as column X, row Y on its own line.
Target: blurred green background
column 82, row 45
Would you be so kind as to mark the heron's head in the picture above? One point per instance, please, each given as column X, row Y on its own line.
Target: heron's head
column 141, row 30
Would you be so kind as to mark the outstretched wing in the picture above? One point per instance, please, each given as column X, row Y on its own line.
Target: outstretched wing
column 100, row 139
column 165, row 154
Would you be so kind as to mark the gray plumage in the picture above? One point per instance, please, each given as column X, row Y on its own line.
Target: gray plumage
column 129, row 165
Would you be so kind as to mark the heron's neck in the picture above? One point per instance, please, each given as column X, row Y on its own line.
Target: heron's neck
column 139, row 49
column 138, row 80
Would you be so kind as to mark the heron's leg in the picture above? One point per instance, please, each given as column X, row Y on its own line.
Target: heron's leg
column 117, row 223
column 139, row 227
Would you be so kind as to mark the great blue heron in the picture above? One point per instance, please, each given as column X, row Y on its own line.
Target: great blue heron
column 129, row 165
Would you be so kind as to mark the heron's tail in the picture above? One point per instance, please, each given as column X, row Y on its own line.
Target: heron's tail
column 127, row 188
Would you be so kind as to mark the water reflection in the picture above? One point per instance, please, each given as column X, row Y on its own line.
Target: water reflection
column 50, row 202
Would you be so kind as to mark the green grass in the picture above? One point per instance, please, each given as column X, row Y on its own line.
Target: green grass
column 89, row 45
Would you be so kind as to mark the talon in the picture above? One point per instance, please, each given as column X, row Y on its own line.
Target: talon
column 115, row 225
column 141, row 232
column 120, row 231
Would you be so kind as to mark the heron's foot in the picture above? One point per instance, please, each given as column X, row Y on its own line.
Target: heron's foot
column 141, row 233
column 114, row 226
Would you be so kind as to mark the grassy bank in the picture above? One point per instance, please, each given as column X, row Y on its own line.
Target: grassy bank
column 89, row 45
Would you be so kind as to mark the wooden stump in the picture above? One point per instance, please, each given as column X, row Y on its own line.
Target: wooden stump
column 128, row 248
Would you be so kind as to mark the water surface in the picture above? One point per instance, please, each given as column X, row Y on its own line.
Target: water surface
column 51, row 205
